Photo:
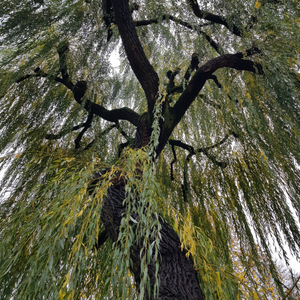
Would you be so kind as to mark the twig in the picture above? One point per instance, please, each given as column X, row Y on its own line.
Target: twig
column 291, row 289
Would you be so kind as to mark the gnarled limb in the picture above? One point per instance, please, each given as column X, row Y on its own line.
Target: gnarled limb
column 38, row 73
column 205, row 72
column 80, row 88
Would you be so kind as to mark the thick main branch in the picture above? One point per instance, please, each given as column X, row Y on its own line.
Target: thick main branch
column 197, row 82
column 135, row 53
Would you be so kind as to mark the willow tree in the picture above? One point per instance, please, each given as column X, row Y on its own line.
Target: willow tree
column 136, row 181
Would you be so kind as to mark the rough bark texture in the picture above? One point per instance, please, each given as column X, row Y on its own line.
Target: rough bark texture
column 178, row 279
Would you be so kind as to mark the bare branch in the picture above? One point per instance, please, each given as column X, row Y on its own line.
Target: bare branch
column 194, row 65
column 63, row 50
column 291, row 289
column 38, row 73
column 169, row 17
column 78, row 90
column 173, row 161
column 215, row 79
column 235, row 61
column 113, row 115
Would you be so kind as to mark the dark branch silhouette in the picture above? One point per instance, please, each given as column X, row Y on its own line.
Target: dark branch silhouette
column 196, row 28
column 63, row 133
column 204, row 150
column 139, row 63
column 104, row 132
column 85, row 128
column 214, row 18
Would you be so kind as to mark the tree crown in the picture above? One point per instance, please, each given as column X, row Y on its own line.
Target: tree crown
column 209, row 90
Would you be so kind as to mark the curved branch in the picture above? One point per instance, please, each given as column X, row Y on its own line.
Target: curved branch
column 201, row 14
column 197, row 82
column 291, row 289
column 63, row 50
column 234, row 61
column 168, row 17
column 38, row 73
column 192, row 151
column 113, row 115
column 214, row 44
column 80, row 88
column 139, row 63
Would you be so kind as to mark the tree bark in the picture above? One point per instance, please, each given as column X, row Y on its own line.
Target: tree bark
column 177, row 277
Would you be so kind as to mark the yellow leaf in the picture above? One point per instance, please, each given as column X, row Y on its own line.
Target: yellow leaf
column 79, row 214
column 18, row 155
column 66, row 281
column 257, row 5
column 61, row 294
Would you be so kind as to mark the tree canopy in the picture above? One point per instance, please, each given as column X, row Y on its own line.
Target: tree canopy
column 141, row 181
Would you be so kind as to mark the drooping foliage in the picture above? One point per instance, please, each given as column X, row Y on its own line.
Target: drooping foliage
column 222, row 158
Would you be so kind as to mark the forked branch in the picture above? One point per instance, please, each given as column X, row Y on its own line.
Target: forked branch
column 185, row 186
column 192, row 151
column 235, row 61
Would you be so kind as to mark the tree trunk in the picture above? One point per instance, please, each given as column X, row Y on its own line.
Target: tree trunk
column 177, row 277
